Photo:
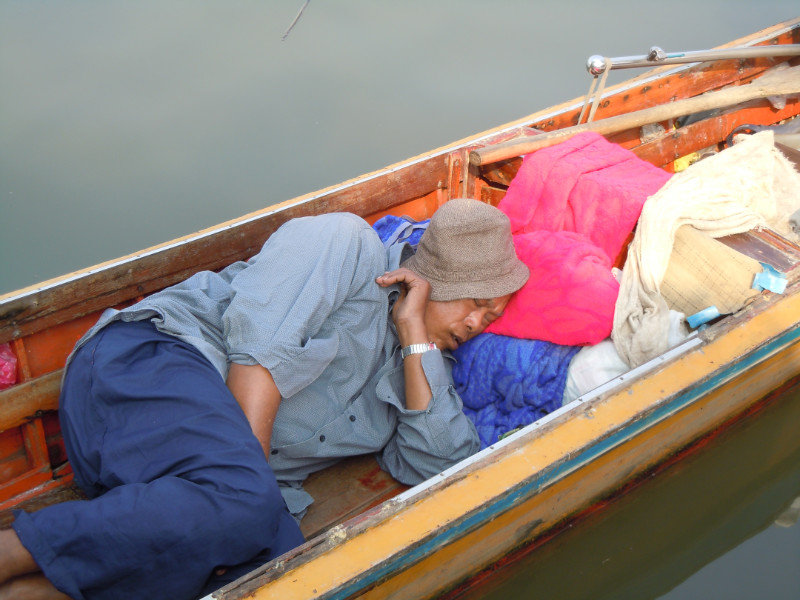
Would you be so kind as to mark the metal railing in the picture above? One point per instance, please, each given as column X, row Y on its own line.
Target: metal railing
column 597, row 65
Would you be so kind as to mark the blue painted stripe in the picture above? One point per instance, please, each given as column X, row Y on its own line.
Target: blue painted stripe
column 549, row 477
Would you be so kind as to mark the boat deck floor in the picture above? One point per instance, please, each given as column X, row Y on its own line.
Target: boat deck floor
column 340, row 492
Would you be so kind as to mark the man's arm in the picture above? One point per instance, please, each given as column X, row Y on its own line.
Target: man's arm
column 257, row 394
column 433, row 432
column 304, row 273
column 409, row 319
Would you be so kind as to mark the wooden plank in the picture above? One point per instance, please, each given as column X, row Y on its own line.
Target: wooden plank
column 27, row 400
column 708, row 132
column 418, row 209
column 29, row 499
column 11, row 444
column 153, row 269
column 455, row 185
column 491, row 194
column 761, row 246
column 13, row 467
column 793, row 154
column 501, row 172
column 61, row 491
column 28, row 480
column 344, row 490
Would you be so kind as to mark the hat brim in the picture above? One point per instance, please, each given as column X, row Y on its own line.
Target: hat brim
column 500, row 285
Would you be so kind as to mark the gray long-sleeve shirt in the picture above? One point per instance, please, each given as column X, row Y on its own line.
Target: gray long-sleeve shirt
column 308, row 309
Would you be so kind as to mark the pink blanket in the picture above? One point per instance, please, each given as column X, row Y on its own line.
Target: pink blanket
column 593, row 190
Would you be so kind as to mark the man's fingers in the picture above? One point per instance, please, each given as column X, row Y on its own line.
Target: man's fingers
column 401, row 275
column 386, row 279
column 396, row 276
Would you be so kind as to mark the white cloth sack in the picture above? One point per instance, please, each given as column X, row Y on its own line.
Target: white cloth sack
column 595, row 365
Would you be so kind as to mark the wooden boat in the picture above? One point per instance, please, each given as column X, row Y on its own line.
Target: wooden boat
column 368, row 535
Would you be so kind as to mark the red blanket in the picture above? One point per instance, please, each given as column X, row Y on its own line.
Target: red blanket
column 571, row 208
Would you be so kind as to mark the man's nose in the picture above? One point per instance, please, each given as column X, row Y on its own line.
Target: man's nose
column 474, row 321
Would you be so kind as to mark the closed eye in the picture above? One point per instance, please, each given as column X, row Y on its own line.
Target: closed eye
column 491, row 317
column 491, row 310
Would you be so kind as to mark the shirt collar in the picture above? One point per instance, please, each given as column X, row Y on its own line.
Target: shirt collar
column 397, row 253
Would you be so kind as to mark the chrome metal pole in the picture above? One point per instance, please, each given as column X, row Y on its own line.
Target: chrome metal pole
column 596, row 65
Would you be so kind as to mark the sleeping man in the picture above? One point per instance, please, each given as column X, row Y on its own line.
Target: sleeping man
column 192, row 418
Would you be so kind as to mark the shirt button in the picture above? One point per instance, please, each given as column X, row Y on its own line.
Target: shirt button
column 352, row 417
column 322, row 438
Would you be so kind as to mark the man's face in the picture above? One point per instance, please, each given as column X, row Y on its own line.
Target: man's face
column 452, row 323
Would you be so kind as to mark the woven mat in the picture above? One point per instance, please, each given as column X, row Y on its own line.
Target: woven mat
column 703, row 272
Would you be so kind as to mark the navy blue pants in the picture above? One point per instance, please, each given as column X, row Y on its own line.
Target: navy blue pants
column 178, row 483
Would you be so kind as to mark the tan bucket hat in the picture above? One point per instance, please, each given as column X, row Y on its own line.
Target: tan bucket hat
column 467, row 252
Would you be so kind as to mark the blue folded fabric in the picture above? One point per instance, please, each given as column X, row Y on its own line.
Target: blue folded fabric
column 504, row 382
column 395, row 230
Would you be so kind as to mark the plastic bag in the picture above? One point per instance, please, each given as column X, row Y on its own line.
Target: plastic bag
column 8, row 366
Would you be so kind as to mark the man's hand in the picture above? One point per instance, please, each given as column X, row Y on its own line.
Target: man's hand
column 408, row 313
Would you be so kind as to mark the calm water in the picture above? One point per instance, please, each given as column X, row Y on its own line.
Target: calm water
column 125, row 124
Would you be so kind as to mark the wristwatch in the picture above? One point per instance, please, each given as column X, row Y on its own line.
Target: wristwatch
column 417, row 349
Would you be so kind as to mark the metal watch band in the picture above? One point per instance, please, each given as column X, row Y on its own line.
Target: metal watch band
column 417, row 349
